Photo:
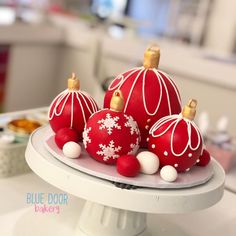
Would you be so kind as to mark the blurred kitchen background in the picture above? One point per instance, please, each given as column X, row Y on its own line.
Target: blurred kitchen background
column 43, row 41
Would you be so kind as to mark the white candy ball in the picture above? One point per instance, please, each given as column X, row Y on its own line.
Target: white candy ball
column 149, row 162
column 71, row 149
column 168, row 173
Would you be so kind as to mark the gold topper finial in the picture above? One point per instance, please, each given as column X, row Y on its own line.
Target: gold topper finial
column 189, row 110
column 151, row 57
column 73, row 82
column 117, row 101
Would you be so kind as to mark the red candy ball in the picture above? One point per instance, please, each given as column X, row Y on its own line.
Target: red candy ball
column 128, row 165
column 204, row 159
column 65, row 135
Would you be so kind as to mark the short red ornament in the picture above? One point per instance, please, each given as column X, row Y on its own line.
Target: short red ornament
column 110, row 133
column 176, row 139
column 150, row 94
column 128, row 165
column 65, row 135
column 71, row 108
column 204, row 159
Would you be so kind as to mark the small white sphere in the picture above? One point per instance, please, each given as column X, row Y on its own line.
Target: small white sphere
column 168, row 173
column 149, row 162
column 71, row 149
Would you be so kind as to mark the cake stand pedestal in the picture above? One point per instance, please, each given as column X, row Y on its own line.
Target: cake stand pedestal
column 111, row 211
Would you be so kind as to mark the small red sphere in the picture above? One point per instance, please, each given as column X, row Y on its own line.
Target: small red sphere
column 128, row 165
column 204, row 159
column 65, row 135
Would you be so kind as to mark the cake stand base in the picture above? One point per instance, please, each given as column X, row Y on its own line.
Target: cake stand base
column 112, row 211
column 100, row 220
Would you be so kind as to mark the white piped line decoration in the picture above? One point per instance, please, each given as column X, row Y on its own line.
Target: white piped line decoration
column 65, row 96
column 174, row 120
column 121, row 79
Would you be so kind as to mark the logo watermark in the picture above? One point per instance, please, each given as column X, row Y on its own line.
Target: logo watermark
column 47, row 202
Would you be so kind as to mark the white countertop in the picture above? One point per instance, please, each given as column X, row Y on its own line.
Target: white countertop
column 19, row 218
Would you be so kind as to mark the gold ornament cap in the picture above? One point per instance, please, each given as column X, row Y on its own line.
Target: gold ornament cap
column 189, row 110
column 73, row 83
column 151, row 57
column 117, row 101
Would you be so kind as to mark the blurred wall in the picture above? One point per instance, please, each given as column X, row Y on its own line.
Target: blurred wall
column 221, row 35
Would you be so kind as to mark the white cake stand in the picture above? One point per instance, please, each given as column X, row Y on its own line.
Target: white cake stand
column 111, row 211
column 230, row 182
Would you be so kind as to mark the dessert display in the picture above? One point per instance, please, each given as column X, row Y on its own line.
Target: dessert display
column 142, row 136
column 21, row 128
column 15, row 130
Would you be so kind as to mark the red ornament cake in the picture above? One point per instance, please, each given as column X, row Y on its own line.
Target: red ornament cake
column 176, row 139
column 142, row 108
column 149, row 93
column 110, row 133
column 71, row 108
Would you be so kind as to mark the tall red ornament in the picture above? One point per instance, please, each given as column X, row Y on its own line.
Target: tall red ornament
column 176, row 139
column 110, row 133
column 150, row 94
column 71, row 108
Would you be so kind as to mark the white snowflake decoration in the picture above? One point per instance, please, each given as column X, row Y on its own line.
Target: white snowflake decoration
column 86, row 138
column 132, row 124
column 109, row 151
column 109, row 123
column 134, row 147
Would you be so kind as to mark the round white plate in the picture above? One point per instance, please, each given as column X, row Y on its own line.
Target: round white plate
column 196, row 176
